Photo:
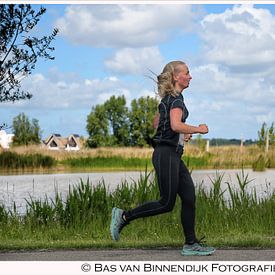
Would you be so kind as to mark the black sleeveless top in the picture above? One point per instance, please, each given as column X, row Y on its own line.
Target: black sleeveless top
column 164, row 132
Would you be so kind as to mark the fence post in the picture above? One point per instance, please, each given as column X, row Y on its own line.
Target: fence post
column 267, row 142
column 207, row 145
column 241, row 148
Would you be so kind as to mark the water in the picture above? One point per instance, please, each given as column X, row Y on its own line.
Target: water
column 18, row 188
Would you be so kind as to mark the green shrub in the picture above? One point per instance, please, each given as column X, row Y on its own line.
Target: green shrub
column 259, row 164
column 11, row 160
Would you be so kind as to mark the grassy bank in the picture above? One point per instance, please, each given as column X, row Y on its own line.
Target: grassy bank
column 223, row 157
column 118, row 162
column 12, row 160
column 81, row 220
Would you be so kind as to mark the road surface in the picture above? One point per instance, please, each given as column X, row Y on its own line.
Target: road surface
column 136, row 255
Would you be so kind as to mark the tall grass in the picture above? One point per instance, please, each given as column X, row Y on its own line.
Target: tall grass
column 241, row 213
column 11, row 160
column 106, row 162
column 126, row 152
column 219, row 157
column 231, row 157
column 227, row 217
column 114, row 162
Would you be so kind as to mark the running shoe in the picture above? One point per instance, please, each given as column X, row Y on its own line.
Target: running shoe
column 117, row 223
column 197, row 249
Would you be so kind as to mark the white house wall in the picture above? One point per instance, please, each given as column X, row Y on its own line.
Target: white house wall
column 5, row 139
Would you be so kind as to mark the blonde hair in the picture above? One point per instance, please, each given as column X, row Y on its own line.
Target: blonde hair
column 166, row 83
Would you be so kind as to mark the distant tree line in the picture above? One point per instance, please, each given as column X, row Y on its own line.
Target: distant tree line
column 114, row 124
column 233, row 141
column 264, row 133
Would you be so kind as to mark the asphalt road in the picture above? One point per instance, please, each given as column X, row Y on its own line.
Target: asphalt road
column 136, row 255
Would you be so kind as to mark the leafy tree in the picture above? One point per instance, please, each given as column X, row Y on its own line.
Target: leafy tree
column 141, row 117
column 19, row 51
column 117, row 114
column 262, row 135
column 271, row 134
column 97, row 127
column 112, row 123
column 25, row 131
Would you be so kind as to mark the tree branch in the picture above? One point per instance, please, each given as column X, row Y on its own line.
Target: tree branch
column 11, row 47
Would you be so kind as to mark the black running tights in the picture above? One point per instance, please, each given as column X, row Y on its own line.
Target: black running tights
column 173, row 178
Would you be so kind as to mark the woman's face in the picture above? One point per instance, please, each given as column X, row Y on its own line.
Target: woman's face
column 182, row 77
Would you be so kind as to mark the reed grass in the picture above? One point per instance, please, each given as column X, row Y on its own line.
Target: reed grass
column 12, row 160
column 231, row 217
column 107, row 162
column 127, row 152
column 230, row 157
column 126, row 158
column 119, row 162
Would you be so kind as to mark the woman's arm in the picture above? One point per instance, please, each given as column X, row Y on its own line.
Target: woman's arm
column 178, row 126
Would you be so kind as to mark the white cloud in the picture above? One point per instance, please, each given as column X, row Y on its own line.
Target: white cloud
column 268, row 117
column 135, row 61
column 68, row 93
column 232, row 104
column 215, row 81
column 241, row 36
column 233, row 83
column 149, row 93
column 113, row 78
column 61, row 102
column 233, row 86
column 123, row 25
column 37, row 77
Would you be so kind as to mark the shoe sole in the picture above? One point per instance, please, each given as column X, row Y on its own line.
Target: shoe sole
column 197, row 253
column 114, row 211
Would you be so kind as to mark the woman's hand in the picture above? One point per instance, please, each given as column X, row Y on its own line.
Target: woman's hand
column 181, row 127
column 203, row 129
column 187, row 137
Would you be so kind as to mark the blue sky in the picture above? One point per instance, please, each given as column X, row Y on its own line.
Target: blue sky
column 105, row 50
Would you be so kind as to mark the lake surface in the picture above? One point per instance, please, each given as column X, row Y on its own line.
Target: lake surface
column 17, row 188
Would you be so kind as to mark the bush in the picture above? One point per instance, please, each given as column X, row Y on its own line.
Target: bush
column 11, row 160
column 259, row 164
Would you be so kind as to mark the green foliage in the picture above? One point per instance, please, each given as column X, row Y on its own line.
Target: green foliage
column 241, row 212
column 19, row 51
column 84, row 203
column 264, row 132
column 259, row 164
column 3, row 215
column 112, row 124
column 117, row 114
column 10, row 160
column 200, row 142
column 141, row 117
column 26, row 132
column 262, row 135
column 271, row 132
column 107, row 162
column 97, row 127
column 39, row 212
column 197, row 162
